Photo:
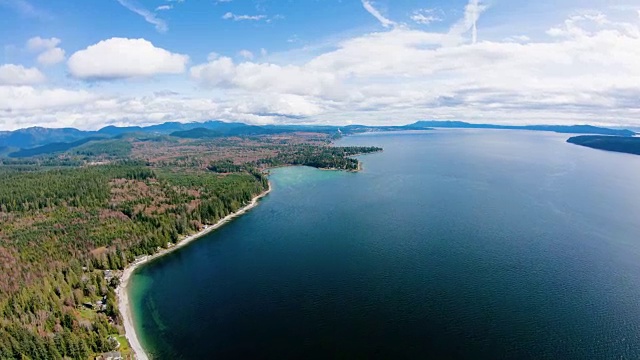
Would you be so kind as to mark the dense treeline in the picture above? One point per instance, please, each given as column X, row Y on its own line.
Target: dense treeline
column 323, row 157
column 116, row 149
column 225, row 166
column 40, row 162
column 629, row 145
column 68, row 187
column 62, row 228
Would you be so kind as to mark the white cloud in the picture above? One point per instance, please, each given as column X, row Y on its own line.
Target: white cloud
column 50, row 53
column 246, row 54
column 368, row 5
column 38, row 44
column 164, row 7
column 151, row 18
column 223, row 72
column 591, row 72
column 426, row 16
column 124, row 58
column 27, row 106
column 20, row 98
column 587, row 69
column 469, row 22
column 23, row 106
column 51, row 57
column 518, row 38
column 235, row 17
column 11, row 74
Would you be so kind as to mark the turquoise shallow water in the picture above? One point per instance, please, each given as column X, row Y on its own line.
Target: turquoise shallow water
column 457, row 244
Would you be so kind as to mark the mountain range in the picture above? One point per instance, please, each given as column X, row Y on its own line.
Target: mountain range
column 16, row 142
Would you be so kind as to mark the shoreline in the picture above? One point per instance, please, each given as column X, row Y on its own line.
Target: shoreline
column 124, row 305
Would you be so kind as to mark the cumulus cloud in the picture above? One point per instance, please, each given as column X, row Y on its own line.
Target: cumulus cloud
column 38, row 44
column 290, row 79
column 585, row 69
column 118, row 58
column 51, row 56
column 22, row 106
column 11, row 74
column 20, row 98
column 50, row 53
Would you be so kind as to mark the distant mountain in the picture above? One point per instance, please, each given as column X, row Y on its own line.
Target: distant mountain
column 227, row 129
column 629, row 145
column 563, row 129
column 197, row 133
column 35, row 136
column 115, row 130
column 170, row 127
column 52, row 148
column 38, row 136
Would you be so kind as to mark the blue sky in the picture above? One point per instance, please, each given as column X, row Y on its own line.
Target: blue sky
column 92, row 63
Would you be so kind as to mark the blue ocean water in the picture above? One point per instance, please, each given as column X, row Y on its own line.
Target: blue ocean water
column 483, row 244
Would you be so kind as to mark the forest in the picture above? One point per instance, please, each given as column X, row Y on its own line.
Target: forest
column 629, row 145
column 70, row 222
column 62, row 228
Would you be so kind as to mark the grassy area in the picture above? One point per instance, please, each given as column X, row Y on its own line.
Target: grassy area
column 87, row 314
column 125, row 348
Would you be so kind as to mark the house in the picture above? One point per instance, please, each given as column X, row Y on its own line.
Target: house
column 112, row 355
column 108, row 275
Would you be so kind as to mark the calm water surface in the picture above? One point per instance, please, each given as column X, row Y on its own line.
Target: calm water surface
column 457, row 244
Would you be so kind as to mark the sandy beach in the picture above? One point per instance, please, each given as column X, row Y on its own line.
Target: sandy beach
column 121, row 291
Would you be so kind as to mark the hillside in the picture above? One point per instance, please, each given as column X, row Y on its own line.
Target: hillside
column 51, row 148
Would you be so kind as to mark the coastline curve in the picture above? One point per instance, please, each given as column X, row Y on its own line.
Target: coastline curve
column 124, row 304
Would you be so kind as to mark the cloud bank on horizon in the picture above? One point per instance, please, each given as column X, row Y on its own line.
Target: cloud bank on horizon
column 357, row 61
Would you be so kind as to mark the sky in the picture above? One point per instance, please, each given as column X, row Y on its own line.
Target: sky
column 88, row 64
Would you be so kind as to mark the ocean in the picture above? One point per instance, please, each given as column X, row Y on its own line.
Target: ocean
column 468, row 244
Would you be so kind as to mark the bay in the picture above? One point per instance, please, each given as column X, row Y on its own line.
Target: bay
column 452, row 243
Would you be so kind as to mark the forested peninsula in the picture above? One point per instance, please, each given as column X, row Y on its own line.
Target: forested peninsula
column 629, row 145
column 72, row 218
